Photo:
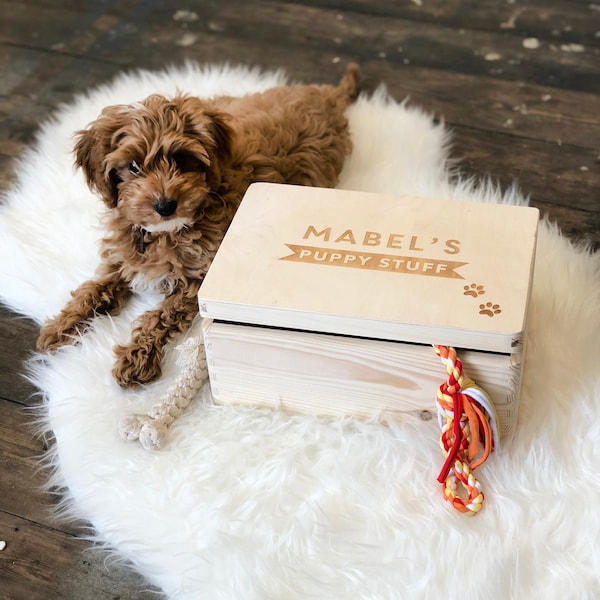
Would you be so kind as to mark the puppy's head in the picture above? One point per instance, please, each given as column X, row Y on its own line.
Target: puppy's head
column 157, row 161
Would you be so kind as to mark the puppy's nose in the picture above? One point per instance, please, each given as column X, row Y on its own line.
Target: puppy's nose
column 165, row 207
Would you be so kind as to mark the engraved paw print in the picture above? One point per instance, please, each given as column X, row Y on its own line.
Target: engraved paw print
column 489, row 309
column 474, row 290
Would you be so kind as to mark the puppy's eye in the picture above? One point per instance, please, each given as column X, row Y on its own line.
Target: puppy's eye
column 134, row 168
column 187, row 163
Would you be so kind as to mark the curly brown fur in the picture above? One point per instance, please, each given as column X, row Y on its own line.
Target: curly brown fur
column 172, row 173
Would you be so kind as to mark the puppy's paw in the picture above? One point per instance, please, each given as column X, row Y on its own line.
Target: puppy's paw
column 136, row 365
column 53, row 335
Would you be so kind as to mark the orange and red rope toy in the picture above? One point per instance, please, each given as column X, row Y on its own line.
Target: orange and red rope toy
column 469, row 433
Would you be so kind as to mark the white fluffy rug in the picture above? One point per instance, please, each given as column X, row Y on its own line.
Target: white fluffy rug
column 261, row 506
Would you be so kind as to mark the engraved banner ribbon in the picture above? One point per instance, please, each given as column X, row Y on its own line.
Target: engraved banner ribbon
column 355, row 259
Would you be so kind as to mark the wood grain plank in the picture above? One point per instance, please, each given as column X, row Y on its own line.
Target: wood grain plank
column 7, row 171
column 109, row 7
column 21, row 473
column 517, row 109
column 18, row 334
column 39, row 563
column 550, row 19
column 29, row 28
column 44, row 557
column 290, row 25
column 581, row 226
column 74, row 27
column 54, row 80
column 400, row 41
column 552, row 174
column 492, row 104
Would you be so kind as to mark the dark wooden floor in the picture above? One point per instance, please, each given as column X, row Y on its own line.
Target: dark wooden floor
column 517, row 81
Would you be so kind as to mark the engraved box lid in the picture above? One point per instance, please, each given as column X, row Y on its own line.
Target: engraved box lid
column 376, row 266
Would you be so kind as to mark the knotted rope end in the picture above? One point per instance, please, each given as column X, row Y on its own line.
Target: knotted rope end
column 152, row 428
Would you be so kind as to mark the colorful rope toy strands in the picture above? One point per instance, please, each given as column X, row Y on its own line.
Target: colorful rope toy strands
column 469, row 434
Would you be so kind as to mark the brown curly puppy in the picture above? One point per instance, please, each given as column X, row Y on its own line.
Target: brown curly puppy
column 173, row 173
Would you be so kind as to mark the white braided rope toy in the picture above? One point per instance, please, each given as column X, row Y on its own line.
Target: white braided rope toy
column 152, row 428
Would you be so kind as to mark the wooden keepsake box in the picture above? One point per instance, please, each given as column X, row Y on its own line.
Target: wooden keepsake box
column 328, row 301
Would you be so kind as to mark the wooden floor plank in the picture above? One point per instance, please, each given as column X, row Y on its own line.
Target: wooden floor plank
column 42, row 564
column 425, row 44
column 18, row 335
column 45, row 557
column 286, row 25
column 554, row 20
column 492, row 104
column 21, row 473
column 557, row 174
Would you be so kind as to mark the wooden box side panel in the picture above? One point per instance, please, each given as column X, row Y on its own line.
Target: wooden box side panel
column 312, row 373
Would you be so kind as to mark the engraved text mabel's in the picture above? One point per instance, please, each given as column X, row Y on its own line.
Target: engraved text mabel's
column 396, row 241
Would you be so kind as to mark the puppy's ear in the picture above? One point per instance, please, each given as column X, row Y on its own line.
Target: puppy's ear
column 221, row 134
column 210, row 127
column 92, row 147
column 219, row 145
